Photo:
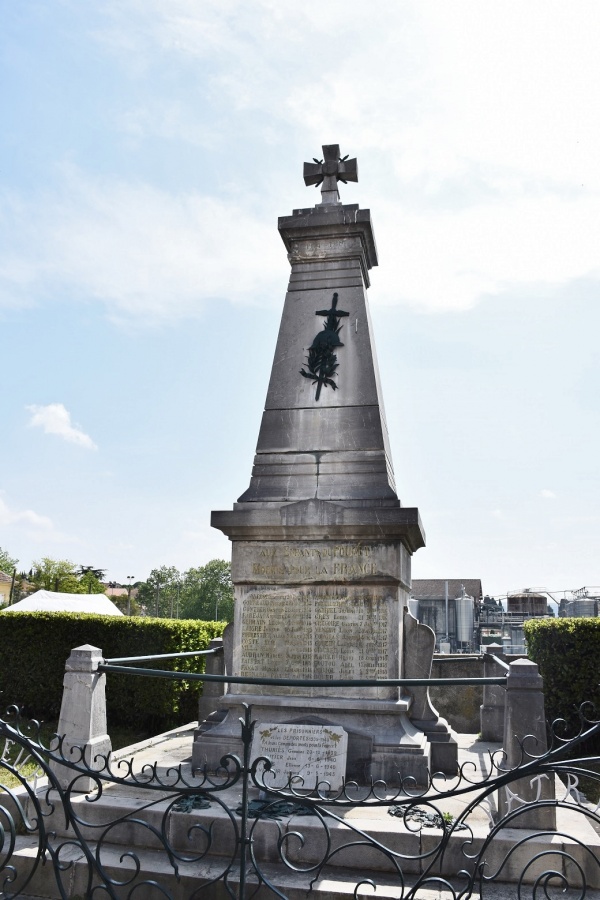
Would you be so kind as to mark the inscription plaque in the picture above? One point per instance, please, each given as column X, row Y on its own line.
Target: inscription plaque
column 286, row 562
column 316, row 753
column 321, row 249
column 320, row 632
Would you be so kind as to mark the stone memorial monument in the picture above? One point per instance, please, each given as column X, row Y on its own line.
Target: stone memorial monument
column 321, row 546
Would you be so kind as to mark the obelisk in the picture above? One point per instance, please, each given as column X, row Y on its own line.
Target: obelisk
column 321, row 546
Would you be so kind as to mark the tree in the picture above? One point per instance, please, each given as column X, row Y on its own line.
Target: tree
column 7, row 563
column 63, row 576
column 55, row 575
column 207, row 592
column 90, row 580
column 120, row 601
column 160, row 590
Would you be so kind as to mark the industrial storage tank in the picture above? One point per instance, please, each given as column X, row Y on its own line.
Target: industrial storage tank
column 580, row 608
column 464, row 619
column 527, row 603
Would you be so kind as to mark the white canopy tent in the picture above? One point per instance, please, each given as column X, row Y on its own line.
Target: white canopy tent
column 54, row 601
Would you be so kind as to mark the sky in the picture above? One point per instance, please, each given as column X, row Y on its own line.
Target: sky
column 147, row 148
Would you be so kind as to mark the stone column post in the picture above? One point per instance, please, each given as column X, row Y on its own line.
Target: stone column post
column 491, row 712
column 83, row 717
column 210, row 704
column 525, row 718
column 212, row 691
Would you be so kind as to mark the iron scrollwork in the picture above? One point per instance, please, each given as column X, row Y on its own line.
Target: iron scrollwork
column 208, row 828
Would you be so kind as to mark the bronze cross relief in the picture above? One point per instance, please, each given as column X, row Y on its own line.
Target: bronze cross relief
column 328, row 171
column 321, row 363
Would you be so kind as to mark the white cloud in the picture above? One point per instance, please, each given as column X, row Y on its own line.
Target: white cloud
column 547, row 494
column 451, row 260
column 32, row 530
column 24, row 517
column 144, row 252
column 437, row 87
column 479, row 126
column 56, row 419
column 153, row 256
column 476, row 126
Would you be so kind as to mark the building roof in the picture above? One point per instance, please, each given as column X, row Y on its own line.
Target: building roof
column 55, row 601
column 434, row 588
column 116, row 591
column 4, row 577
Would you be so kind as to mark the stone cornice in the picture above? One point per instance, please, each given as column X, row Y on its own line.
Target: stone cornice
column 322, row 520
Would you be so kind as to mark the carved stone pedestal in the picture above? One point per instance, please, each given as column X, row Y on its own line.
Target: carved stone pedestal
column 333, row 608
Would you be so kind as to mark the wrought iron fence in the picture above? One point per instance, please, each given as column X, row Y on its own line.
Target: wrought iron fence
column 173, row 832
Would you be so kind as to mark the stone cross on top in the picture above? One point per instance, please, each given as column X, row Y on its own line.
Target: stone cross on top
column 328, row 171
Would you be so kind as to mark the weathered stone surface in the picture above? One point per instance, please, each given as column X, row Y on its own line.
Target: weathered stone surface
column 320, row 520
column 82, row 718
column 330, row 251
column 322, row 632
column 382, row 741
column 418, row 647
column 356, row 376
column 302, row 430
column 212, row 690
column 494, row 697
column 287, row 562
column 345, row 223
column 525, row 738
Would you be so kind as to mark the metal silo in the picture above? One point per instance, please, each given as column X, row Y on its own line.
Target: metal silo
column 464, row 618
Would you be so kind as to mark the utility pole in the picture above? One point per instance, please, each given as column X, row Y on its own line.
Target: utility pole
column 129, row 586
column 12, row 587
column 446, row 605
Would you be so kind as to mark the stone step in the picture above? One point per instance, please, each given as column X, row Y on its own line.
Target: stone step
column 190, row 876
column 379, row 841
column 156, row 867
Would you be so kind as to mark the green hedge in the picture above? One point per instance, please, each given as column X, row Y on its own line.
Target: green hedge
column 567, row 653
column 34, row 648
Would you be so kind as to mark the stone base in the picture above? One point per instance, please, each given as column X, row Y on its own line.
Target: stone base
column 492, row 722
column 382, row 741
column 444, row 748
column 94, row 752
